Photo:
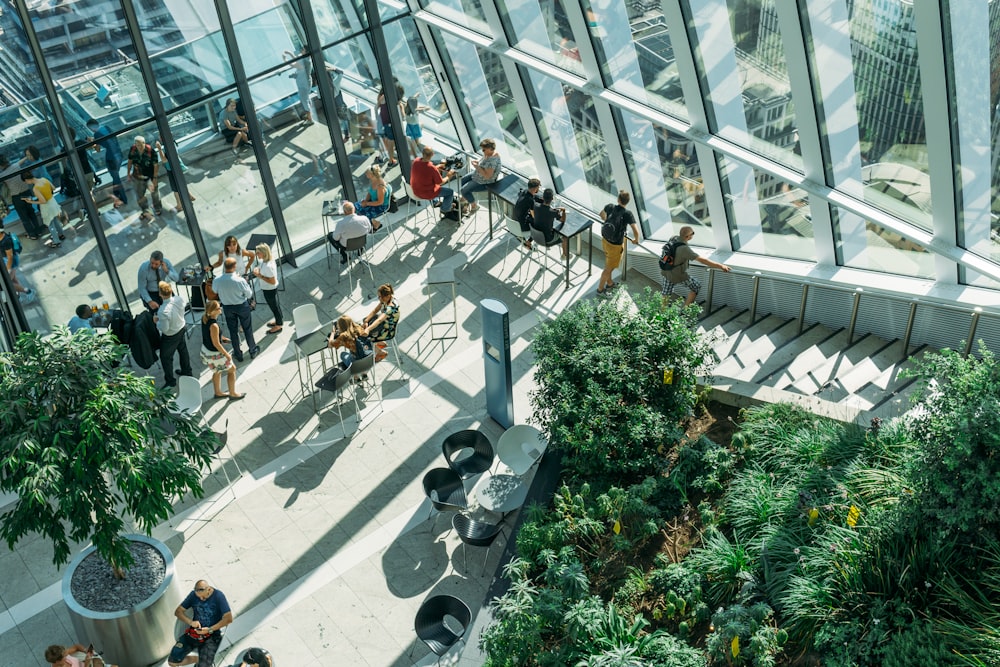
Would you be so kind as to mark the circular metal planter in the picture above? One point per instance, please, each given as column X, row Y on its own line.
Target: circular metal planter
column 135, row 637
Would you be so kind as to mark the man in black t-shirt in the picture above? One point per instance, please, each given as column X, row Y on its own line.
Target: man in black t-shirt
column 543, row 218
column 526, row 200
column 613, row 239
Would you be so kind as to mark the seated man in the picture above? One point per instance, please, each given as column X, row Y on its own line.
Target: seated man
column 82, row 319
column 543, row 218
column 526, row 200
column 210, row 612
column 351, row 226
column 426, row 179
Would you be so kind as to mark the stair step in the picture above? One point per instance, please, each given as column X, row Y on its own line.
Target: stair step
column 807, row 359
column 788, row 353
column 750, row 356
column 738, row 333
column 864, row 372
column 837, row 364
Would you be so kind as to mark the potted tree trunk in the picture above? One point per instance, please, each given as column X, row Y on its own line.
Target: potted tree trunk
column 90, row 449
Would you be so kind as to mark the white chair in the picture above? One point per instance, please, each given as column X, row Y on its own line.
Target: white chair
column 516, row 234
column 413, row 201
column 306, row 319
column 520, row 447
column 188, row 396
column 385, row 227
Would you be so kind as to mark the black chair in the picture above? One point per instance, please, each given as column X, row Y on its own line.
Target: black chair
column 442, row 622
column 354, row 248
column 475, row 533
column 468, row 452
column 444, row 488
column 363, row 373
column 334, row 380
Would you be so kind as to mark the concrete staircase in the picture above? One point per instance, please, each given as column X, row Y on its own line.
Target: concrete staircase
column 770, row 360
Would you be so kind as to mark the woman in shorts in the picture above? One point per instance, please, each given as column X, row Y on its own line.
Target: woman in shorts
column 214, row 355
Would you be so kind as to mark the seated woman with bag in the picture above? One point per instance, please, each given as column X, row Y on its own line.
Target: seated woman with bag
column 349, row 335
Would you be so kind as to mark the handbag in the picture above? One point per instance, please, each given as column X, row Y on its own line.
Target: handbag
column 393, row 204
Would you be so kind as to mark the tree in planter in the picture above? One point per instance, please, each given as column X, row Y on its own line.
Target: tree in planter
column 86, row 444
column 614, row 385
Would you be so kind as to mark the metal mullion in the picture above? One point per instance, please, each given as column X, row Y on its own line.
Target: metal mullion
column 243, row 88
column 163, row 129
column 938, row 129
column 807, row 124
column 327, row 98
column 69, row 141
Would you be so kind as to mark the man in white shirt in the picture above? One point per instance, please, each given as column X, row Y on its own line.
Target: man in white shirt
column 351, row 226
column 170, row 322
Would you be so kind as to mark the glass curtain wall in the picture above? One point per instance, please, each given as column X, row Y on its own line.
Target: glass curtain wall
column 671, row 82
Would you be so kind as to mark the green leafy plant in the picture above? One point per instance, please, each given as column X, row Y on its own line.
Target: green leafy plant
column 86, row 444
column 614, row 404
column 745, row 635
column 956, row 470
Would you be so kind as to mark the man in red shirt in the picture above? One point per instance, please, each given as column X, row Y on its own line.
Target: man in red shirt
column 426, row 180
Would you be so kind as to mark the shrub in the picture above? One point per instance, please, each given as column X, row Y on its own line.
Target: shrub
column 600, row 526
column 601, row 394
column 956, row 470
column 703, row 465
column 745, row 635
column 728, row 566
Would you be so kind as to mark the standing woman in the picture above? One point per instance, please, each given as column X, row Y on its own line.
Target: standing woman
column 268, row 274
column 376, row 202
column 231, row 248
column 214, row 355
column 49, row 209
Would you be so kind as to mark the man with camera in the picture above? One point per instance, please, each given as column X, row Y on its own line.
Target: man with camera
column 426, row 179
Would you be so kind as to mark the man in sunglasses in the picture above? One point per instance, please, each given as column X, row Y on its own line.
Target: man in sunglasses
column 205, row 611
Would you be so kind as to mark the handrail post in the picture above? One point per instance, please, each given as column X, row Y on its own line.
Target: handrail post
column 753, row 299
column 854, row 315
column 909, row 330
column 711, row 287
column 976, row 312
column 802, row 307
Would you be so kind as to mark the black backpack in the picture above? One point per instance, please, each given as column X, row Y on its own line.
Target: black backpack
column 613, row 229
column 669, row 253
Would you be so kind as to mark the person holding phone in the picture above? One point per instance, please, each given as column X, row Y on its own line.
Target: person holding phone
column 62, row 656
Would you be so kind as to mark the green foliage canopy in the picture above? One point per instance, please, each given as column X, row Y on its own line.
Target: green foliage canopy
column 601, row 393
column 86, row 444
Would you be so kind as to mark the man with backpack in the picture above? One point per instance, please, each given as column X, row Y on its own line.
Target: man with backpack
column 143, row 169
column 616, row 218
column 674, row 261
column 10, row 251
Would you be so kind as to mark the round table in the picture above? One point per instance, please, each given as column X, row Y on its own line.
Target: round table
column 501, row 493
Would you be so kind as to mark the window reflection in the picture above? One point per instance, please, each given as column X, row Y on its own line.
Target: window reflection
column 541, row 28
column 467, row 13
column 863, row 244
column 337, row 19
column 746, row 80
column 266, row 36
column 668, row 178
column 771, row 216
column 485, row 97
column 634, row 50
column 873, row 123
